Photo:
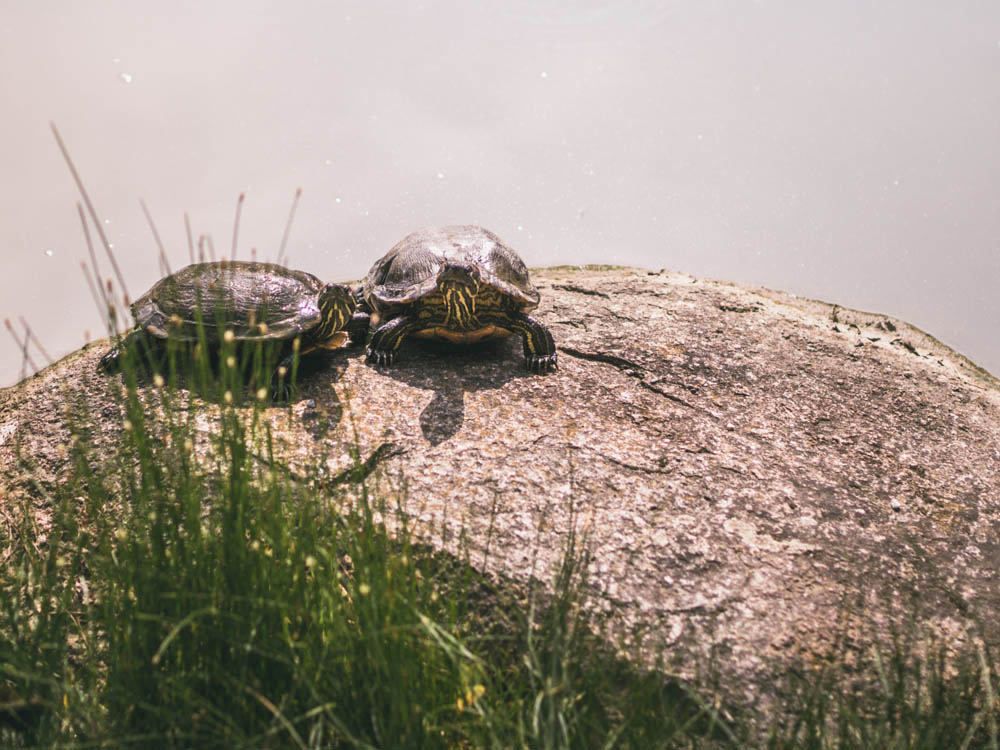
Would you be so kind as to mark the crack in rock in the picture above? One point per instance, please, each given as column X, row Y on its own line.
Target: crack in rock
column 668, row 396
column 581, row 290
column 610, row 359
column 619, row 462
column 358, row 473
column 628, row 367
column 906, row 345
column 353, row 474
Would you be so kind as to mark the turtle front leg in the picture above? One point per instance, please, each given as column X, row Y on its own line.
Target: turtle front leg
column 109, row 363
column 539, row 348
column 137, row 340
column 385, row 340
column 281, row 378
column 357, row 328
column 360, row 322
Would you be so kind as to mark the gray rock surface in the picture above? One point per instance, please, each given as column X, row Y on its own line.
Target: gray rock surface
column 749, row 467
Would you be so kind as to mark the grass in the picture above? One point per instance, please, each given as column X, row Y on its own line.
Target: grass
column 192, row 595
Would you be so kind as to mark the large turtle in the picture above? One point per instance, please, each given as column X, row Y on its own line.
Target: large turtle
column 458, row 283
column 254, row 301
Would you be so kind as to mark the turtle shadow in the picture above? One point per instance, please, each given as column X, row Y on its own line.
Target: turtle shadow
column 452, row 370
column 324, row 411
column 314, row 376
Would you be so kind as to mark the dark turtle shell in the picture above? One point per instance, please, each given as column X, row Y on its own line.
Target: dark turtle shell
column 256, row 301
column 409, row 271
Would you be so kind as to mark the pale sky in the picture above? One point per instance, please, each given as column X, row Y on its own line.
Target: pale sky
column 845, row 151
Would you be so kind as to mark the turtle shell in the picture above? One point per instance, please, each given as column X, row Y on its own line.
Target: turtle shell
column 236, row 295
column 409, row 271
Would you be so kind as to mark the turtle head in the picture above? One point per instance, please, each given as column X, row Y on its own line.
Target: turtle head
column 336, row 304
column 458, row 285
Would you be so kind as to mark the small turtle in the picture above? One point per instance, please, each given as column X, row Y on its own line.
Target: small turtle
column 255, row 301
column 458, row 283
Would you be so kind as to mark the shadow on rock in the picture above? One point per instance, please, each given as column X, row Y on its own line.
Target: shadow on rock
column 324, row 410
column 451, row 371
column 316, row 373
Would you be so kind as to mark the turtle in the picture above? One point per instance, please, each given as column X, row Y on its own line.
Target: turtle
column 252, row 300
column 457, row 283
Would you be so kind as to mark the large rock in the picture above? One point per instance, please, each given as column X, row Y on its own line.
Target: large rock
column 745, row 464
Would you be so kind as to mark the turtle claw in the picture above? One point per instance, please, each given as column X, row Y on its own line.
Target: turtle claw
column 542, row 364
column 281, row 390
column 380, row 357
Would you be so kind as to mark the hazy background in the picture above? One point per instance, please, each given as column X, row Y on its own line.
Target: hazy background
column 848, row 151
